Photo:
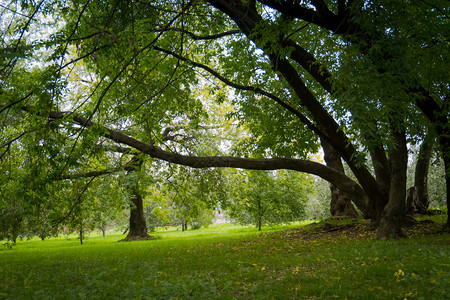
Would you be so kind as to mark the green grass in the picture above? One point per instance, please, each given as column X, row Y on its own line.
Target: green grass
column 227, row 262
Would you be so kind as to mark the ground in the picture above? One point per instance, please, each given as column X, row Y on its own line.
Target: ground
column 330, row 259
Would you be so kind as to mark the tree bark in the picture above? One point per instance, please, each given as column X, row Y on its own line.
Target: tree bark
column 382, row 174
column 411, row 200
column 81, row 234
column 422, row 201
column 138, row 224
column 447, row 184
column 103, row 230
column 340, row 205
column 394, row 212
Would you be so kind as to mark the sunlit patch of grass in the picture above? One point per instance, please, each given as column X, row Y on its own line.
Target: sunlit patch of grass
column 229, row 262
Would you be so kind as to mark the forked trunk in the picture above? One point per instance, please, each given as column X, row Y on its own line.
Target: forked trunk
column 393, row 215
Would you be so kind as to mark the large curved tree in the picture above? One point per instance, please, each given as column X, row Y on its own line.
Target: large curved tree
column 352, row 74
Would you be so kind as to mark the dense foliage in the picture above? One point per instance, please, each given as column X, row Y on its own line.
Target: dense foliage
column 91, row 88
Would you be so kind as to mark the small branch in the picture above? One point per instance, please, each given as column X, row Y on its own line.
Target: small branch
column 75, row 205
column 16, row 102
column 203, row 37
column 256, row 90
column 81, row 57
column 90, row 174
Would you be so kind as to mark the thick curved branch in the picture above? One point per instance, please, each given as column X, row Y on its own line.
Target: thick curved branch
column 321, row 16
column 343, row 182
column 317, row 70
column 247, row 18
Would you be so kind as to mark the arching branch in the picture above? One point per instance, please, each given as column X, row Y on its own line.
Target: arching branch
column 344, row 183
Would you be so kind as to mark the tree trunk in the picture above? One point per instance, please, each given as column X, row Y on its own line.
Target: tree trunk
column 259, row 224
column 81, row 234
column 434, row 112
column 394, row 212
column 138, row 224
column 421, row 175
column 447, row 184
column 103, row 230
column 340, row 205
column 382, row 175
column 417, row 197
column 411, row 200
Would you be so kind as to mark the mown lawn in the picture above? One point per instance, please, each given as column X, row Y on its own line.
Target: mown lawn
column 226, row 262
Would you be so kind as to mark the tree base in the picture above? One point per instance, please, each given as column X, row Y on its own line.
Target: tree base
column 137, row 238
column 392, row 229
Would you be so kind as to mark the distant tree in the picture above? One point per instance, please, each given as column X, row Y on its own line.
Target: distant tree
column 259, row 198
column 190, row 195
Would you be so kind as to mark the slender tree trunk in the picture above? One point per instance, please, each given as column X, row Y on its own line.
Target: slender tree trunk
column 103, row 230
column 259, row 224
column 81, row 234
column 394, row 212
column 126, row 230
column 340, row 205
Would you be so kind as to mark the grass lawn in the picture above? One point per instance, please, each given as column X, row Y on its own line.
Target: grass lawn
column 226, row 262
